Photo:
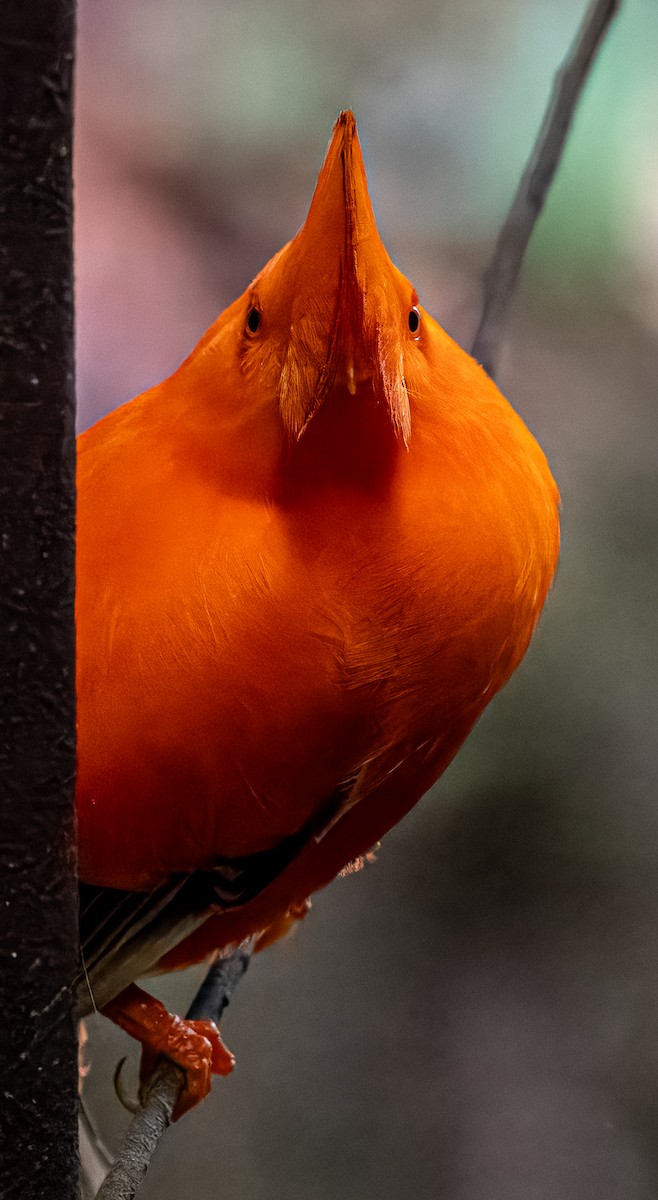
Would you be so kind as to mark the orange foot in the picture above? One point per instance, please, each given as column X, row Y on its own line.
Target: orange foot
column 195, row 1046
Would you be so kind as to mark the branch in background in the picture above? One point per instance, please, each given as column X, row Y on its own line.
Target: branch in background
column 502, row 274
column 154, row 1115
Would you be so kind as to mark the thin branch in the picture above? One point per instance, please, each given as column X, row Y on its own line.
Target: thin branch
column 154, row 1115
column 502, row 274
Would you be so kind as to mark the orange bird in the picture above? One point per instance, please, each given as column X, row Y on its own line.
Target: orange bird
column 306, row 563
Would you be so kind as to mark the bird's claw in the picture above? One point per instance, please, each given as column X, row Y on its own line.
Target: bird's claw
column 197, row 1048
column 131, row 1105
column 194, row 1046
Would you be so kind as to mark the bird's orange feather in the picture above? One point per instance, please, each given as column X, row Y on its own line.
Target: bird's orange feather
column 306, row 563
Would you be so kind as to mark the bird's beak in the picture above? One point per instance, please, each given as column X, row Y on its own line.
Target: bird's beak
column 349, row 312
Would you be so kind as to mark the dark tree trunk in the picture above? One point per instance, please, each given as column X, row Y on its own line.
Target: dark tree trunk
column 38, row 896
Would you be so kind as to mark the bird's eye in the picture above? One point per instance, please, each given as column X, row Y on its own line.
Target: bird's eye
column 253, row 320
column 414, row 320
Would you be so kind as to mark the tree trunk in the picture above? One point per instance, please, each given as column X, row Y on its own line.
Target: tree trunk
column 38, row 892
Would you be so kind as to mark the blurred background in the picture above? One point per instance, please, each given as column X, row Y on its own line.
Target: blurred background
column 475, row 1017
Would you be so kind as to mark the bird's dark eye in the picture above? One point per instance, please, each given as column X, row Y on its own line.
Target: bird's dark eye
column 253, row 320
column 414, row 320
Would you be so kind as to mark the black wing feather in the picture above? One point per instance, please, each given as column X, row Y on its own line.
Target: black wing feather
column 124, row 934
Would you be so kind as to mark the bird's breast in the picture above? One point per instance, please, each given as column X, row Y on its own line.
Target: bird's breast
column 239, row 662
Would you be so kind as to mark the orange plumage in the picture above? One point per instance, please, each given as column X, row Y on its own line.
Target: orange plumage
column 306, row 563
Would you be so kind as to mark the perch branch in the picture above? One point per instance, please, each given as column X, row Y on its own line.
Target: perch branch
column 154, row 1115
column 502, row 274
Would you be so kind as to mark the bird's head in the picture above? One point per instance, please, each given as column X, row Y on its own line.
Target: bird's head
column 330, row 313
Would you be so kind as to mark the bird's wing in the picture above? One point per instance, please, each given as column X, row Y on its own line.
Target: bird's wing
column 123, row 934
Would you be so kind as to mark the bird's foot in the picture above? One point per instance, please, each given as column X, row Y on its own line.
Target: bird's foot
column 194, row 1046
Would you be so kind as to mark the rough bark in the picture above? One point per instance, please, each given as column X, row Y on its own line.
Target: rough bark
column 38, row 893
